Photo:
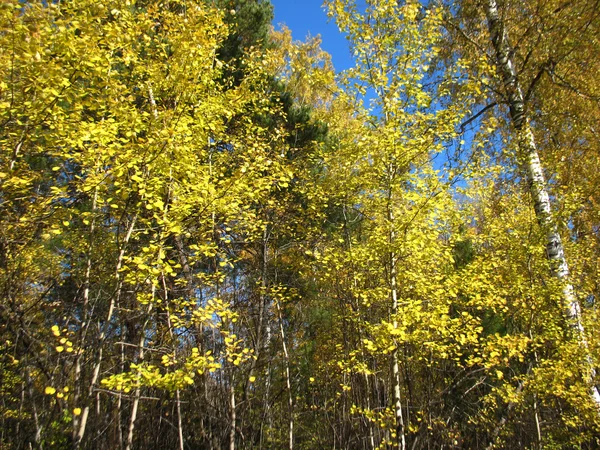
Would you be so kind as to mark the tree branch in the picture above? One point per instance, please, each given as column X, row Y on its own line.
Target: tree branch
column 473, row 118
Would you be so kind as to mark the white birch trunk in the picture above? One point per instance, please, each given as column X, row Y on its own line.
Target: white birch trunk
column 232, row 417
column 102, row 338
column 38, row 428
column 85, row 324
column 288, row 380
column 173, row 340
column 138, row 391
column 400, row 426
column 528, row 155
column 395, row 363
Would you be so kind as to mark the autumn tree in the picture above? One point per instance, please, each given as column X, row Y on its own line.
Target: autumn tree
column 522, row 53
column 119, row 138
column 209, row 239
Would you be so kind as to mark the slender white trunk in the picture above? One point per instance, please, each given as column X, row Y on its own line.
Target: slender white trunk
column 179, row 421
column 369, row 423
column 137, row 394
column 538, row 427
column 120, row 401
column 396, row 365
column 38, row 428
column 172, row 336
column 232, row 416
column 529, row 157
column 142, row 341
column 267, row 418
column 152, row 101
column 102, row 337
column 85, row 323
column 400, row 427
column 288, row 380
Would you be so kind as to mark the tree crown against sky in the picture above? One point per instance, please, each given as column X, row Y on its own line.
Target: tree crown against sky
column 209, row 238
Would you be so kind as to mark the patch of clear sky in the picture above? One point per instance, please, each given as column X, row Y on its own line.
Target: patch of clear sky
column 309, row 18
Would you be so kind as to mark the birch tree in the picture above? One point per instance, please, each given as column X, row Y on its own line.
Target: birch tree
column 519, row 52
column 400, row 195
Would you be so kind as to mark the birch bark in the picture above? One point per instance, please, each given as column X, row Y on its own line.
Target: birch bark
column 400, row 426
column 529, row 158
column 288, row 380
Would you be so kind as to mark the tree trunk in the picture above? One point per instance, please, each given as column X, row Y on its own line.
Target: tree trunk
column 86, row 319
column 232, row 412
column 38, row 428
column 400, row 432
column 138, row 391
column 529, row 158
column 288, row 379
column 369, row 423
column 175, row 346
column 102, row 338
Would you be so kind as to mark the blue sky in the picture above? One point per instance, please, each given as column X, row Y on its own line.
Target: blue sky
column 306, row 17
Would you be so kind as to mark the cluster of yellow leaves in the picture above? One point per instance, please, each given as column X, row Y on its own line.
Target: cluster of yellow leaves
column 128, row 119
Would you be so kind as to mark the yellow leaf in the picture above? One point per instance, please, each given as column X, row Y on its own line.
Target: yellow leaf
column 49, row 390
column 76, row 411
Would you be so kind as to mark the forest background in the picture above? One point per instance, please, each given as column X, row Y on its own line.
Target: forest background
column 209, row 238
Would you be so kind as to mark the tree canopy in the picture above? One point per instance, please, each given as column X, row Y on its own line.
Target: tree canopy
column 209, row 238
